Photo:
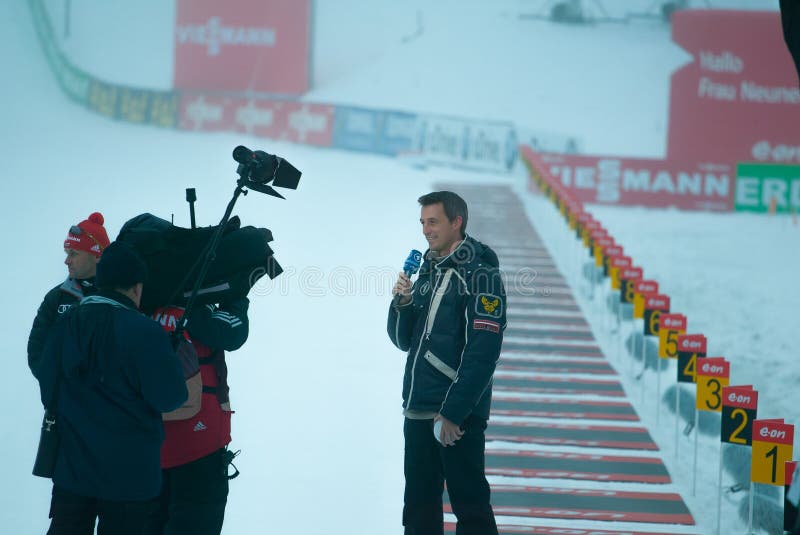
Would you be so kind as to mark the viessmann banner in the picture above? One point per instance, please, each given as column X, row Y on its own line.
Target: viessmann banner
column 640, row 182
column 242, row 45
column 738, row 100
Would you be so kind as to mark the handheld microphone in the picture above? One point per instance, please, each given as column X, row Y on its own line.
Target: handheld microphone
column 410, row 267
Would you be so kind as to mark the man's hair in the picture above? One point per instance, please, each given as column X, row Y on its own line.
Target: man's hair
column 453, row 205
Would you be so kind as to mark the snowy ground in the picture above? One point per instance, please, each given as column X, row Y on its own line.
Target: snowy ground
column 317, row 386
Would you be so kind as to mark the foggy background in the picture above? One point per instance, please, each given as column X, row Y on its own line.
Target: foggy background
column 317, row 386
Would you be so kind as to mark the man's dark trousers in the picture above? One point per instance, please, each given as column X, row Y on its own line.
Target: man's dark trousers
column 193, row 498
column 72, row 514
column 428, row 465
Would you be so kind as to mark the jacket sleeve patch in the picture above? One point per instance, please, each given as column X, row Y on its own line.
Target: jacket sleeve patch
column 489, row 306
column 486, row 325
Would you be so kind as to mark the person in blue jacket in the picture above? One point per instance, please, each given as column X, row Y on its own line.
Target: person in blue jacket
column 451, row 325
column 108, row 372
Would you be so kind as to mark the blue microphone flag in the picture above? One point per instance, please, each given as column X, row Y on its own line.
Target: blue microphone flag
column 412, row 263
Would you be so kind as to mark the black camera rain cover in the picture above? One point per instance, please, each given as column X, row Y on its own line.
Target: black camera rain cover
column 171, row 253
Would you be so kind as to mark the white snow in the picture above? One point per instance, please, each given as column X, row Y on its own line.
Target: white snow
column 317, row 386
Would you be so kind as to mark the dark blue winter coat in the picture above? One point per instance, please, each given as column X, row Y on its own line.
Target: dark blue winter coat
column 118, row 373
column 452, row 331
column 55, row 303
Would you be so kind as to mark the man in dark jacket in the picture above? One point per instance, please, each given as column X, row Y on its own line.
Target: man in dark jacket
column 83, row 246
column 451, row 323
column 108, row 372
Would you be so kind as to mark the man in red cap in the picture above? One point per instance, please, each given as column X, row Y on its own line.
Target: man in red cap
column 83, row 246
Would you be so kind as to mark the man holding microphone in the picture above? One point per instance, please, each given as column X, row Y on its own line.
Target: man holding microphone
column 450, row 322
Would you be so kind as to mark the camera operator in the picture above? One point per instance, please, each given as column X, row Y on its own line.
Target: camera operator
column 194, row 456
column 451, row 325
column 83, row 246
column 108, row 372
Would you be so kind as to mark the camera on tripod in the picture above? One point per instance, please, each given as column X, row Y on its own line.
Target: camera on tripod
column 259, row 169
column 200, row 265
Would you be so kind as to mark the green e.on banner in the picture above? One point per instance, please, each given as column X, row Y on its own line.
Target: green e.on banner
column 758, row 186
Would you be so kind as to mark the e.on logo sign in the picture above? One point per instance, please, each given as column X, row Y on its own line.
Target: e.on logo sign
column 672, row 326
column 712, row 376
column 776, row 434
column 596, row 234
column 646, row 287
column 630, row 273
column 739, row 399
column 690, row 348
column 714, row 367
column 773, row 442
column 740, row 396
column 739, row 409
column 692, row 343
column 776, row 431
column 658, row 302
column 259, row 46
column 620, row 261
column 674, row 322
column 642, row 289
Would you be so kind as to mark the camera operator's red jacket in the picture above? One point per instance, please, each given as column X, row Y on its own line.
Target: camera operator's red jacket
column 212, row 330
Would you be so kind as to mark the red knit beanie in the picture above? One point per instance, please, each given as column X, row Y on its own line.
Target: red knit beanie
column 89, row 236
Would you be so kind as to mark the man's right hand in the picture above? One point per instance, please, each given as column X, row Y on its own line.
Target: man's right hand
column 403, row 289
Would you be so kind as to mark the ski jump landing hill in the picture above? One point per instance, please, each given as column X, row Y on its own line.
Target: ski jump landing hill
column 567, row 451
